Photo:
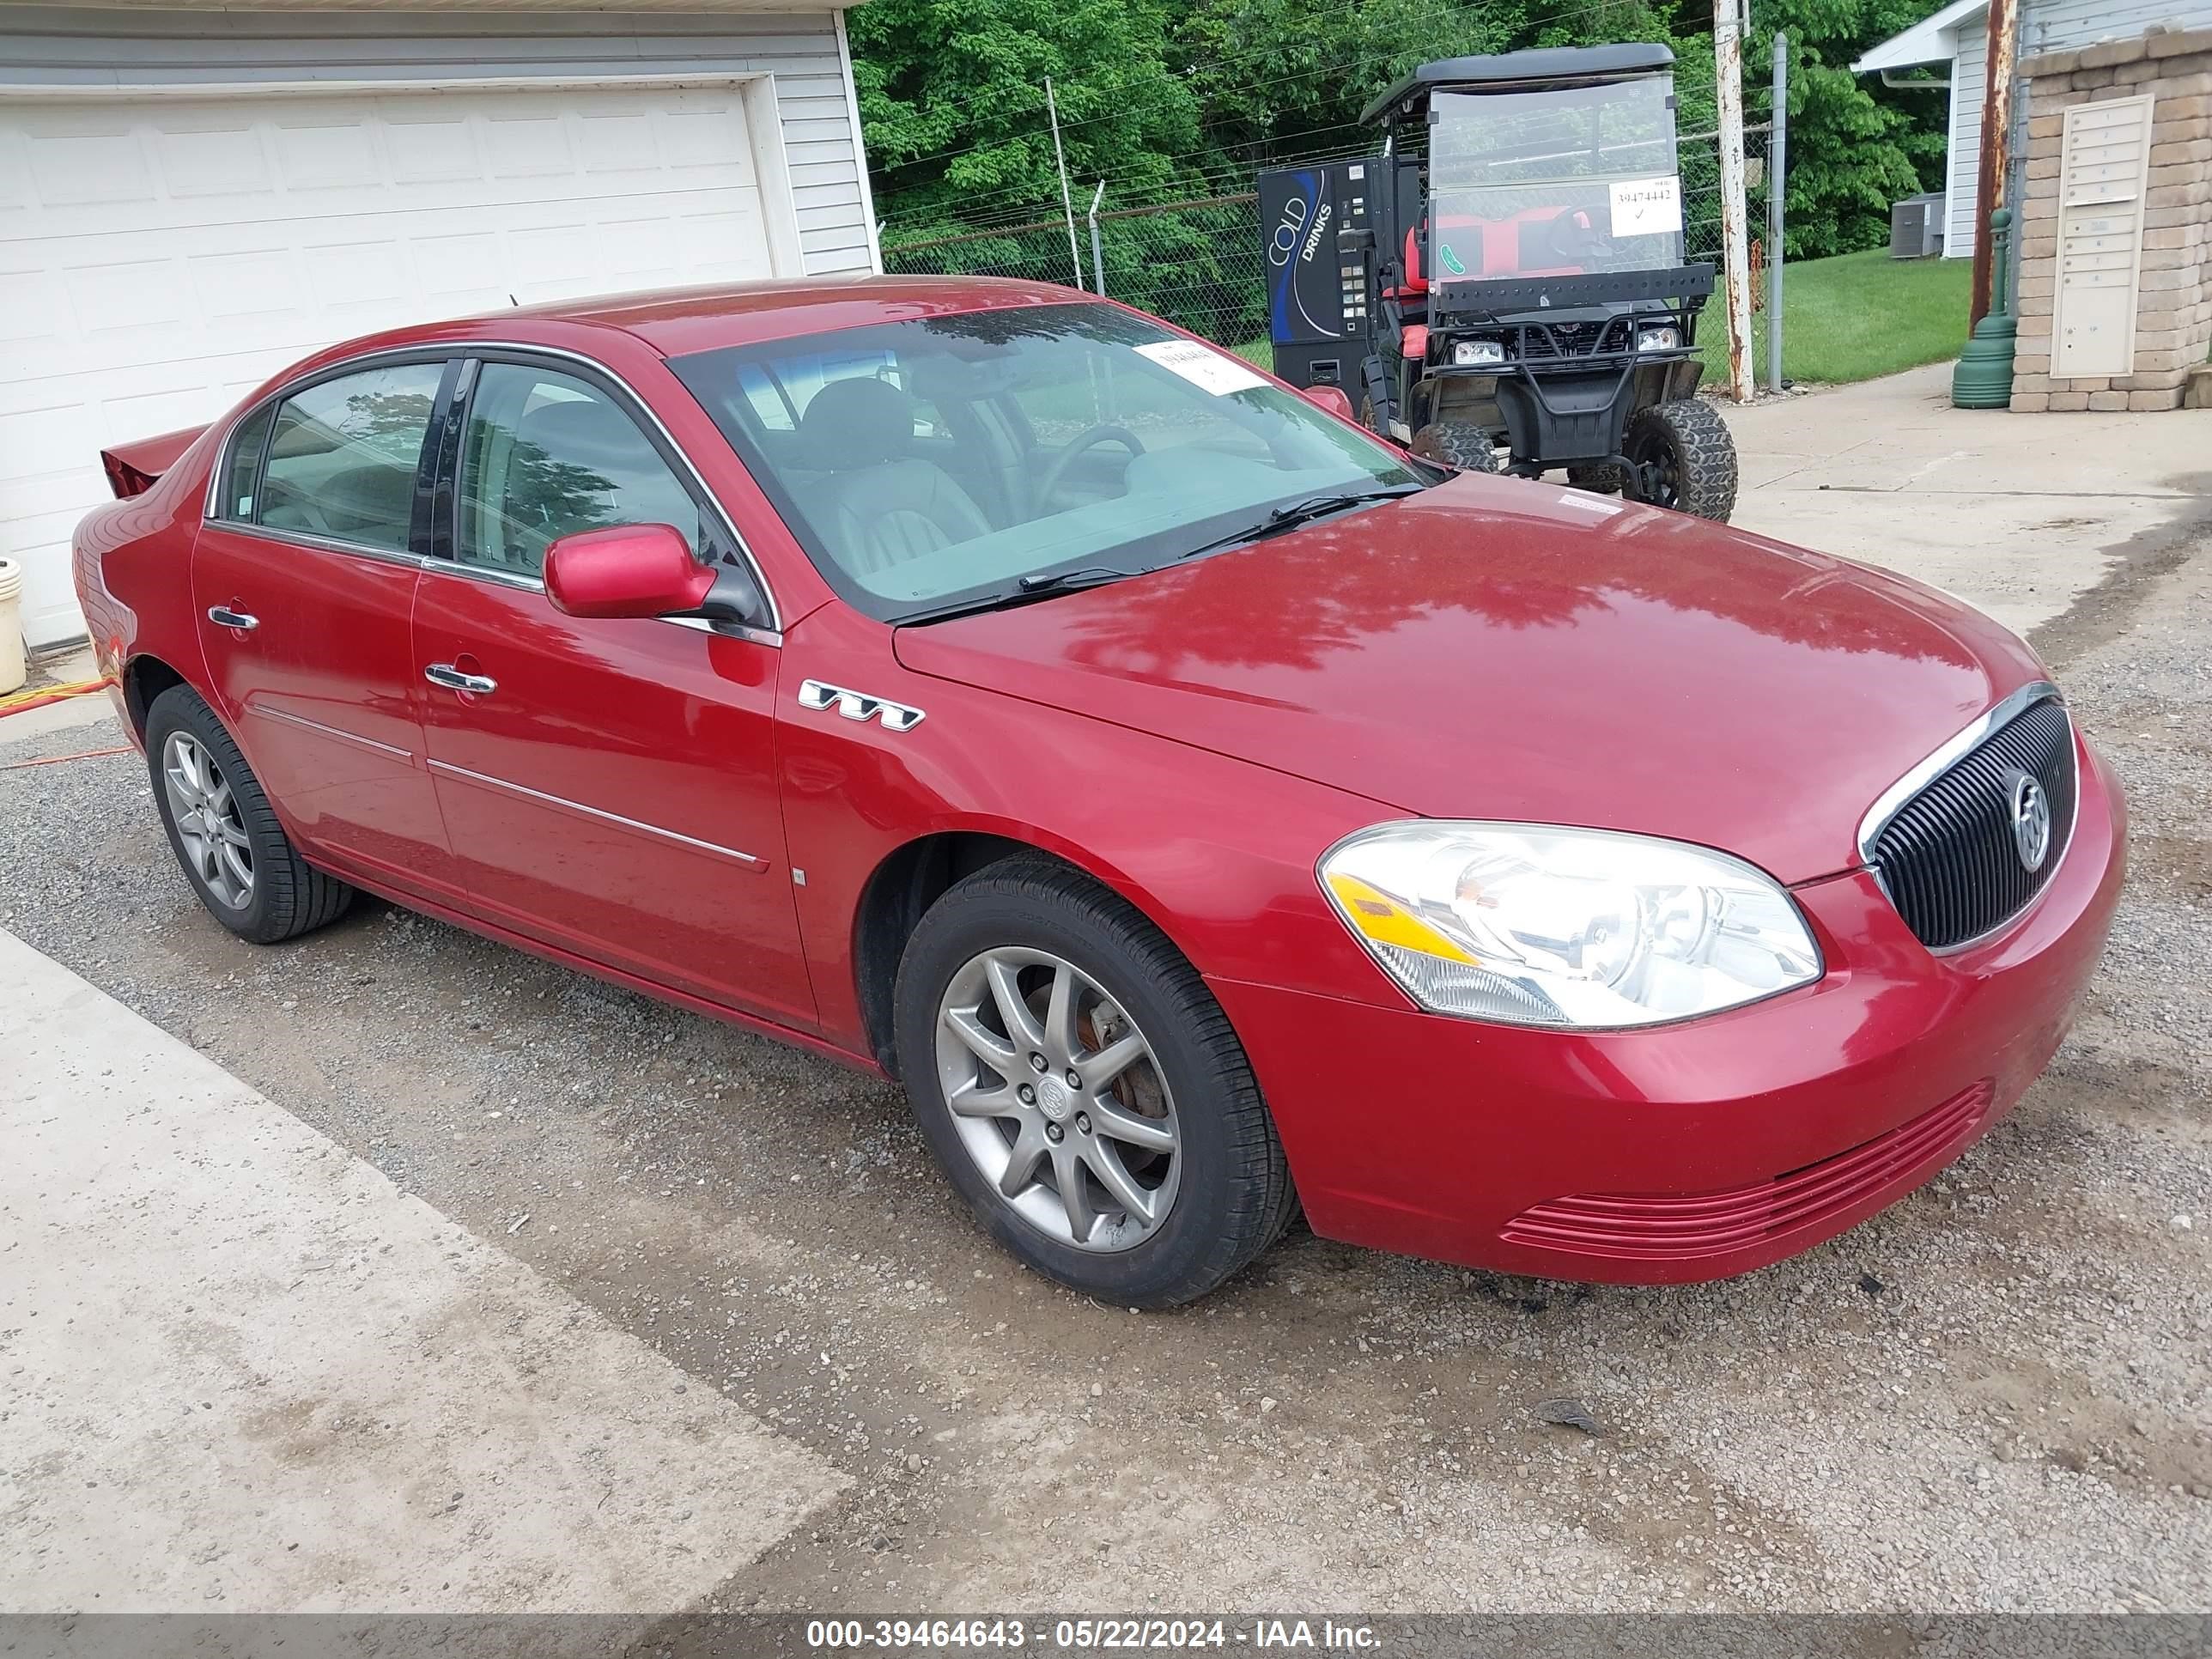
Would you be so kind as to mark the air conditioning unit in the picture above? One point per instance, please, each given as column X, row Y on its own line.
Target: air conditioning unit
column 1916, row 226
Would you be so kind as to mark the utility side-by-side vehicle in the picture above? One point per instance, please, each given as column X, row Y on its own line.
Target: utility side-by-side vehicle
column 1508, row 272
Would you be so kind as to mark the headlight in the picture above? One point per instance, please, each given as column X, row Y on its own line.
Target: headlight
column 1474, row 354
column 1529, row 924
column 1658, row 339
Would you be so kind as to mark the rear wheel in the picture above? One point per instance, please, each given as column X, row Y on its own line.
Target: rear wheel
column 1685, row 457
column 224, row 832
column 1460, row 444
column 1082, row 1091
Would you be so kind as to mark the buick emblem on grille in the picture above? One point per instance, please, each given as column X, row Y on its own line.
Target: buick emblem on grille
column 2031, row 822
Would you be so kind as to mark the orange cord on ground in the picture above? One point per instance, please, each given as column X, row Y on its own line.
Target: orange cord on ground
column 22, row 703
column 56, row 760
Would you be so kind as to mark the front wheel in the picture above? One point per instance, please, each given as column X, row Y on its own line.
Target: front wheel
column 1685, row 457
column 1082, row 1091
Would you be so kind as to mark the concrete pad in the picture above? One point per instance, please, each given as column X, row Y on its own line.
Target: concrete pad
column 2018, row 515
column 241, row 1372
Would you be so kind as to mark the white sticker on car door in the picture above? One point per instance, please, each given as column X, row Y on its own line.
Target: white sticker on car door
column 1202, row 366
column 1646, row 206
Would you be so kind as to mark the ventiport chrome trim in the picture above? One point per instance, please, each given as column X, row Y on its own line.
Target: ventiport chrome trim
column 1891, row 800
column 859, row 705
column 320, row 729
column 750, row 860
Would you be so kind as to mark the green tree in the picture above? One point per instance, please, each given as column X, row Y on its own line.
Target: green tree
column 1854, row 145
column 952, row 97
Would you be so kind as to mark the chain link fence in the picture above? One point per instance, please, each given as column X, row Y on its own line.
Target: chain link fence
column 1199, row 263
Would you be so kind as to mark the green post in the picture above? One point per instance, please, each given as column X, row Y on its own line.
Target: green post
column 1983, row 376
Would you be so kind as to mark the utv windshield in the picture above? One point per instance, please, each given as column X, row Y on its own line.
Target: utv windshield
column 979, row 455
column 1565, row 182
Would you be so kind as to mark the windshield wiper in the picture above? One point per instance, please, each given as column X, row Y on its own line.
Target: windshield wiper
column 1029, row 588
column 1303, row 513
column 1089, row 576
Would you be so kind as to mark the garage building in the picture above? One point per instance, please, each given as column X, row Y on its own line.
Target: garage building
column 191, row 200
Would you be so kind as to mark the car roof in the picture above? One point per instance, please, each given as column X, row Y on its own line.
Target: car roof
column 678, row 321
column 1519, row 68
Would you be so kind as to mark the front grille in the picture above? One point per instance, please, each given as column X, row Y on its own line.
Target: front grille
column 1948, row 858
column 1543, row 342
column 1688, row 1227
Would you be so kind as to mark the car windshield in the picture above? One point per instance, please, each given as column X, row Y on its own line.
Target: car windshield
column 927, row 462
column 1564, row 181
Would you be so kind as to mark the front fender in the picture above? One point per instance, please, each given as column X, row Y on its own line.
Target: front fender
column 1218, row 852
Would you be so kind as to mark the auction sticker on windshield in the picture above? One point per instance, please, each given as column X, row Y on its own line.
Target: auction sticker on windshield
column 1203, row 366
column 1646, row 206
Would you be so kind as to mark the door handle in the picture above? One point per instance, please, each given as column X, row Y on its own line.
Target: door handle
column 223, row 617
column 444, row 674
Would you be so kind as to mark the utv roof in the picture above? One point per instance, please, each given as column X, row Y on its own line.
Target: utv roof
column 1544, row 64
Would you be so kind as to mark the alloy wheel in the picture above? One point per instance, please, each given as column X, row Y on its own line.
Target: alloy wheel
column 205, row 811
column 1059, row 1098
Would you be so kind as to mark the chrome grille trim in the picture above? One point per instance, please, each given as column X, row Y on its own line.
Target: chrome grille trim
column 1940, row 842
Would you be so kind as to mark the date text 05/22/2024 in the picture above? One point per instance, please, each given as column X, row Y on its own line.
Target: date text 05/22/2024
column 1091, row 1635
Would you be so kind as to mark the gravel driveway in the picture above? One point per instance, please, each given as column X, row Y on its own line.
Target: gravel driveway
column 1995, row 1395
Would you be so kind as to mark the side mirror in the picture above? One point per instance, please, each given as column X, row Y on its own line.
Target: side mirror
column 628, row 570
column 1330, row 397
column 1353, row 243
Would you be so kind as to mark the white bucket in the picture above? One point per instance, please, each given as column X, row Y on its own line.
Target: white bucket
column 13, row 671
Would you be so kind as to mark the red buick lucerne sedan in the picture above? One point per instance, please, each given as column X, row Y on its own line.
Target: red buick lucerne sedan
column 1202, row 808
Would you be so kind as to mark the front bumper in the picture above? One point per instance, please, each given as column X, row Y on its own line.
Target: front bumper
column 1688, row 1152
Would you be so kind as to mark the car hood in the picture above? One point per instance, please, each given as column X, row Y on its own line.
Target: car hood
column 1498, row 648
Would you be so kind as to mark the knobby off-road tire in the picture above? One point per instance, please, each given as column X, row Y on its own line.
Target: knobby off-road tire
column 1035, row 918
column 1600, row 478
column 1688, row 444
column 224, row 832
column 1460, row 444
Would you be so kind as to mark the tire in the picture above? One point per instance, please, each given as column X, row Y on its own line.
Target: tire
column 1459, row 444
column 1689, row 443
column 1599, row 477
column 283, row 895
column 1227, row 1189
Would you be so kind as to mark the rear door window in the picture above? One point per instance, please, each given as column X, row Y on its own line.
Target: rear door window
column 344, row 454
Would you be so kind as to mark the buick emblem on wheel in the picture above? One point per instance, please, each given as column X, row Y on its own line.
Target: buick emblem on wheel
column 2031, row 822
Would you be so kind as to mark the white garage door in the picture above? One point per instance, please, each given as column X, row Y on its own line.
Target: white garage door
column 160, row 257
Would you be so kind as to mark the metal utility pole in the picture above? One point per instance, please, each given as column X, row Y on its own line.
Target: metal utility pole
column 1098, row 255
column 1777, row 156
column 1735, row 246
column 1996, row 131
column 1067, row 200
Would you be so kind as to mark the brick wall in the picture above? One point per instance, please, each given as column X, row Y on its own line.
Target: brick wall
column 2174, row 313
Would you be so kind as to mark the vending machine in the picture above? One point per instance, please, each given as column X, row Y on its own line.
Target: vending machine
column 1317, row 298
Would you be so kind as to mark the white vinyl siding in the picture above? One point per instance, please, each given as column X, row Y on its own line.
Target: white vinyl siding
column 1963, row 162
column 2063, row 25
column 162, row 251
column 91, row 46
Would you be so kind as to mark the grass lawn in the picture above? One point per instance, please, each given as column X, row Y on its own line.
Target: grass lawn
column 1854, row 316
column 1846, row 318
